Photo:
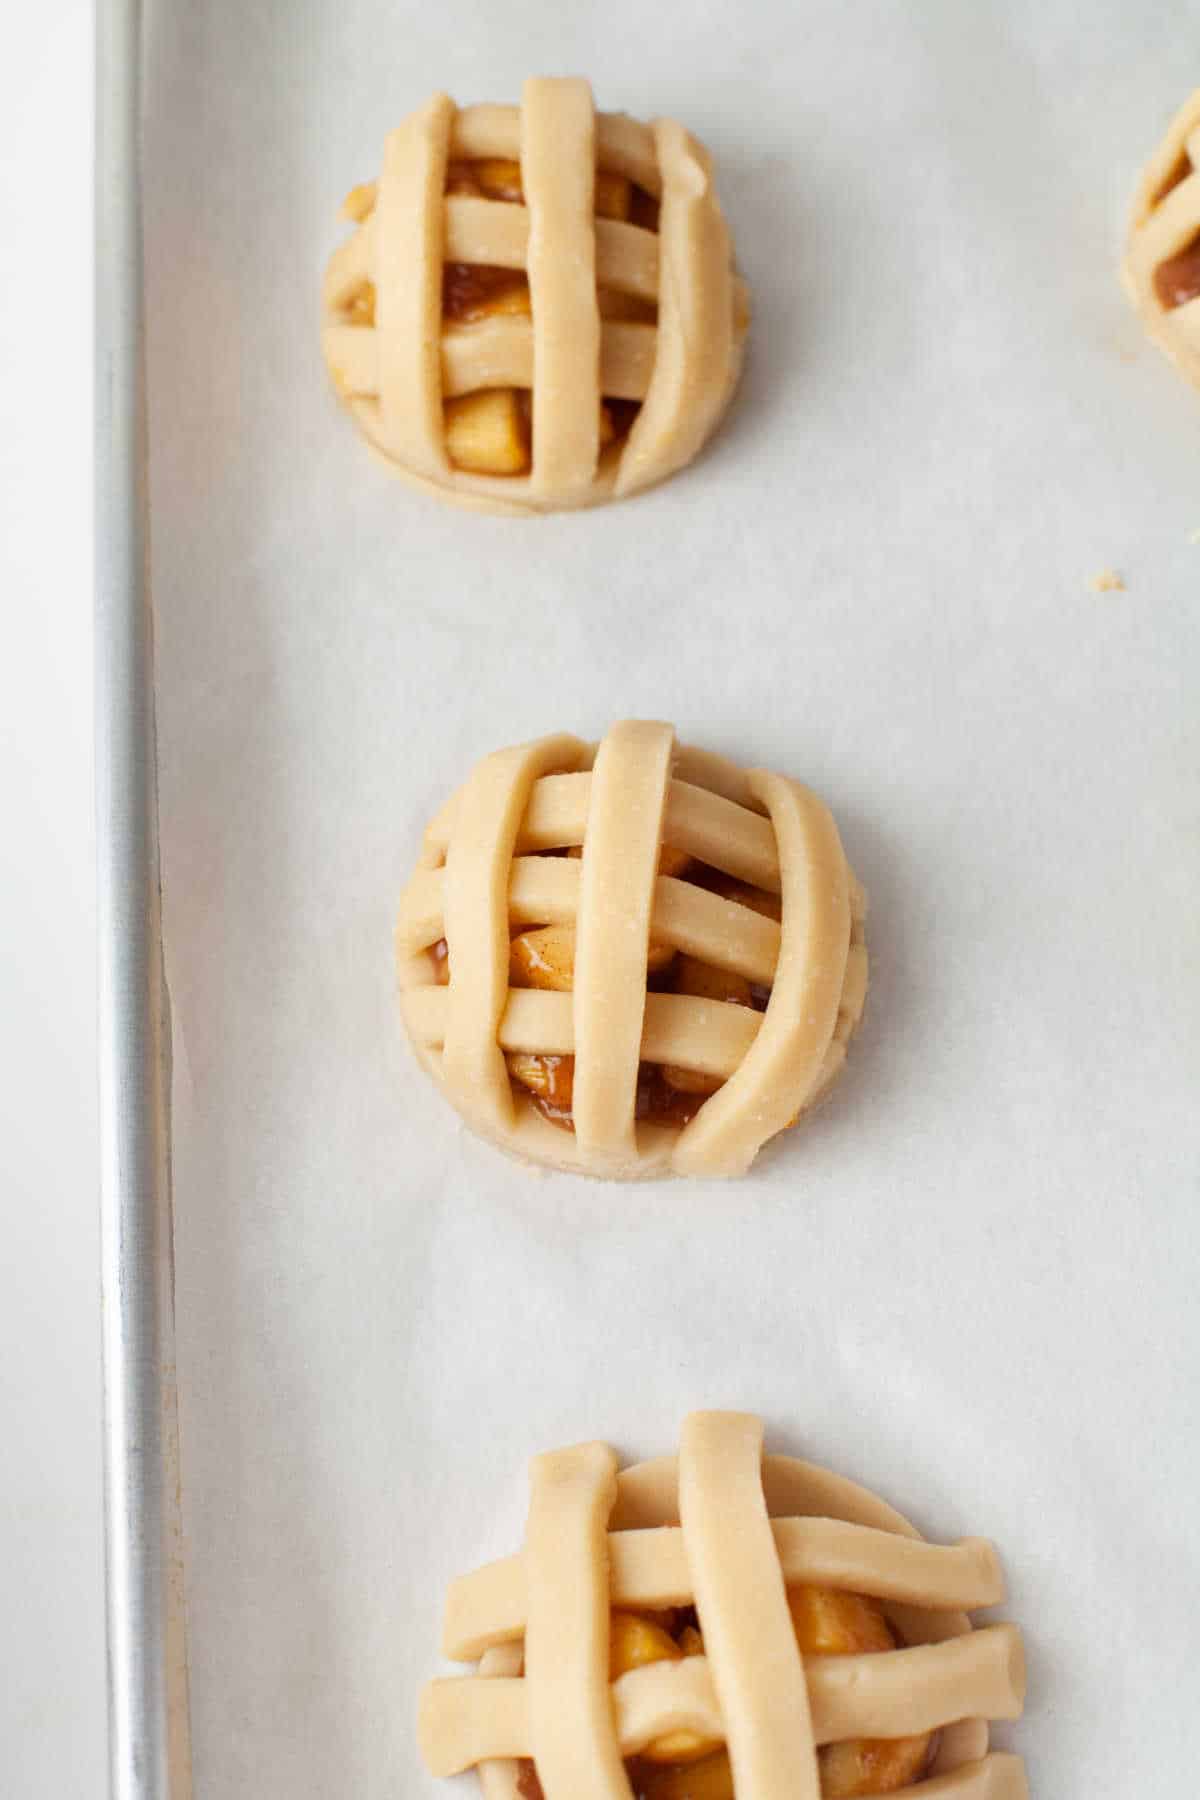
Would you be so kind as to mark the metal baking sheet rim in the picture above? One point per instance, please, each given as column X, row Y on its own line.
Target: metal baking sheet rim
column 149, row 1741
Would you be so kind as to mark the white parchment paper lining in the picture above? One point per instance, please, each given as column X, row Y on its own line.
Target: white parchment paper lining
column 969, row 1282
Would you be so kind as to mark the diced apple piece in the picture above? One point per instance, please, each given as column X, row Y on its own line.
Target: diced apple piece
column 475, row 291
column 828, row 1622
column 632, row 1643
column 500, row 179
column 486, row 178
column 543, row 958
column 487, row 433
column 548, row 1078
column 711, row 1779
column 872, row 1766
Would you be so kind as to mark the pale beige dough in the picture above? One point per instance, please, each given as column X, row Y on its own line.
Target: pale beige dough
column 395, row 374
column 725, row 1528
column 623, row 801
column 1166, row 220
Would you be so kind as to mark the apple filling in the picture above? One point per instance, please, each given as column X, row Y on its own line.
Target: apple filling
column 1177, row 280
column 543, row 956
column 684, row 1766
column 1180, row 171
column 490, row 432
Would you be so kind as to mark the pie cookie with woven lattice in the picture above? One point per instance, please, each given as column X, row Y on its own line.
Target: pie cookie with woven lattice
column 1162, row 263
column 538, row 307
column 723, row 1626
column 631, row 959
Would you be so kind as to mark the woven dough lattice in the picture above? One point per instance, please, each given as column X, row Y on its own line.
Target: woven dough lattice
column 728, row 1531
column 561, row 833
column 645, row 311
column 1162, row 264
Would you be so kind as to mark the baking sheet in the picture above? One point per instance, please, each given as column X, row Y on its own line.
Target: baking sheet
column 968, row 1281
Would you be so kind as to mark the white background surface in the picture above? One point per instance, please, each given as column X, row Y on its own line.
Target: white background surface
column 51, row 1632
column 970, row 1282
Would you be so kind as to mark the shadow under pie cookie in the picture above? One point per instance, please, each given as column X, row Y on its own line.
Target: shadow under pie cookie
column 1162, row 262
column 538, row 307
column 723, row 1625
column 633, row 958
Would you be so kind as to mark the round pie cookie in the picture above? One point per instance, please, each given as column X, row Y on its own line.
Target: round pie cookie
column 723, row 1625
column 631, row 959
column 538, row 308
column 1162, row 263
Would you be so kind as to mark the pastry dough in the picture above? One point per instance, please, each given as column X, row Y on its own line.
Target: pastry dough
column 692, row 1013
column 729, row 1530
column 1162, row 262
column 479, row 267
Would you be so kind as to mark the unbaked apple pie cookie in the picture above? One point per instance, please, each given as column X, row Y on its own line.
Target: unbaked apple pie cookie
column 1162, row 263
column 723, row 1626
column 538, row 307
column 631, row 959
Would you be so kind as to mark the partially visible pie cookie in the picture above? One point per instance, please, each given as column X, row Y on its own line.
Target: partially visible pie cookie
column 538, row 307
column 1162, row 263
column 631, row 959
column 723, row 1626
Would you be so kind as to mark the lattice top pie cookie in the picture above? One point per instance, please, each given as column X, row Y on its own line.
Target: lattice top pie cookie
column 1162, row 263
column 723, row 1626
column 631, row 959
column 538, row 308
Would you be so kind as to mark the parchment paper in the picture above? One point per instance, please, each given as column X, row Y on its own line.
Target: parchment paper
column 969, row 1282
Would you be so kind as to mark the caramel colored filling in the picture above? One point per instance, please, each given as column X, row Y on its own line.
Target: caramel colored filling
column 543, row 956
column 1180, row 172
column 684, row 1766
column 495, row 178
column 1177, row 280
column 490, row 432
column 500, row 441
column 473, row 291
